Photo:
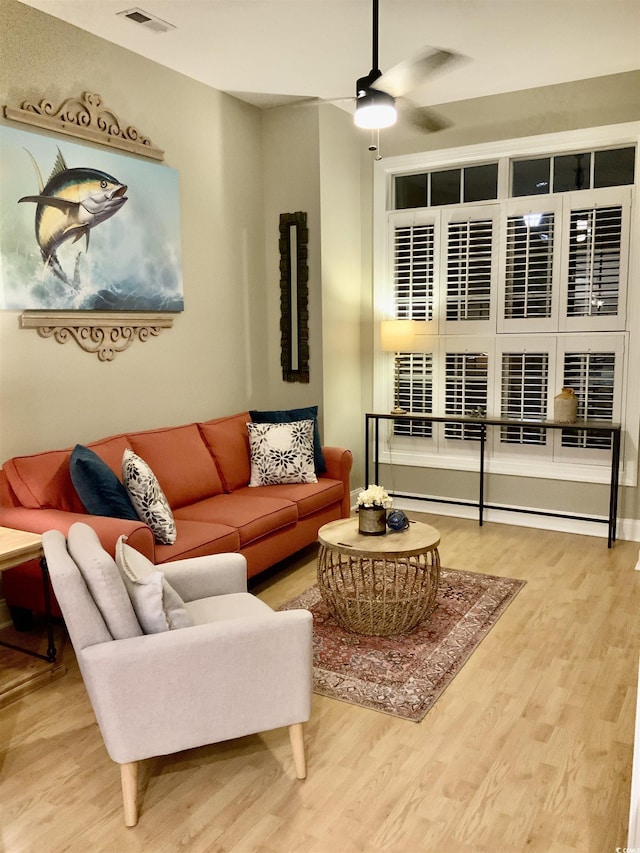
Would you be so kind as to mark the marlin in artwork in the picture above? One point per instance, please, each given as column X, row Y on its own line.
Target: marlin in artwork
column 72, row 203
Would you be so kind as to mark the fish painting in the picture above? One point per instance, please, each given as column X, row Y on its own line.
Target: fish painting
column 71, row 203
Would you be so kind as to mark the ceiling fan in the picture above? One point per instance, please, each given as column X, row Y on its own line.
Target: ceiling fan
column 378, row 94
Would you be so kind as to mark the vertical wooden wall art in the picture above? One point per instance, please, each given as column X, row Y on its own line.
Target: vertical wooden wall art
column 294, row 297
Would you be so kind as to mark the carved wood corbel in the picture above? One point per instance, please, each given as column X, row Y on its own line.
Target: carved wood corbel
column 103, row 334
column 85, row 118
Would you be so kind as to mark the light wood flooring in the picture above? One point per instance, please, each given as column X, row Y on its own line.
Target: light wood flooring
column 529, row 749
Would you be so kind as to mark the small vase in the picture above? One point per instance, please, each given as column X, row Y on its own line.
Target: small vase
column 372, row 520
column 565, row 407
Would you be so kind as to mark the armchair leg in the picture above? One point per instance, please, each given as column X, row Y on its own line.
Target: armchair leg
column 296, row 735
column 129, row 779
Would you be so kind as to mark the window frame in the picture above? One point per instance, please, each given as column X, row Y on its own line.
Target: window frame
column 505, row 151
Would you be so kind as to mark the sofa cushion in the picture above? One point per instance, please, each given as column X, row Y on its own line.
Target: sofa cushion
column 102, row 576
column 157, row 605
column 253, row 517
column 111, row 451
column 148, row 498
column 228, row 441
column 281, row 453
column 308, row 497
column 100, row 491
column 43, row 481
column 198, row 538
column 181, row 461
column 278, row 416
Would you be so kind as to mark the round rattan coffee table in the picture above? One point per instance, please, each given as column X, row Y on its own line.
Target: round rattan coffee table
column 379, row 585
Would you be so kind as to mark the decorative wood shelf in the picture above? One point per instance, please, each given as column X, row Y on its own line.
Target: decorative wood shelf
column 103, row 333
column 85, row 118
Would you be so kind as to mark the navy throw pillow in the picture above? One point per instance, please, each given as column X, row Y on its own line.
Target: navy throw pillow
column 283, row 416
column 99, row 489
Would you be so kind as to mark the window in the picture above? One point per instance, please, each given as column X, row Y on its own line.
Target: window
column 516, row 271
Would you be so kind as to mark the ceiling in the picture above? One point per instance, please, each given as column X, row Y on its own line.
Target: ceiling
column 269, row 52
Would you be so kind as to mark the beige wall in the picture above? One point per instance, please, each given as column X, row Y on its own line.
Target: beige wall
column 213, row 361
column 291, row 183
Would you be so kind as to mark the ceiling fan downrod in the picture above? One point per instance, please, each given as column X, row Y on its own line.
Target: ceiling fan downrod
column 374, row 109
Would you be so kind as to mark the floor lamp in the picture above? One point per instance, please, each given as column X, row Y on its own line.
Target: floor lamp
column 397, row 336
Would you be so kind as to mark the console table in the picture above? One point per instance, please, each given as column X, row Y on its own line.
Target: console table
column 614, row 430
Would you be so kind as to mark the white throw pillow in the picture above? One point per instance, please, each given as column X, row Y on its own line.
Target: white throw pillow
column 282, row 453
column 147, row 497
column 156, row 603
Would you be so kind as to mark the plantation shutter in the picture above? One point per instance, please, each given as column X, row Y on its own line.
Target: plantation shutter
column 523, row 394
column 595, row 260
column 592, row 376
column 413, row 269
column 469, row 254
column 529, row 266
column 466, row 389
column 415, row 392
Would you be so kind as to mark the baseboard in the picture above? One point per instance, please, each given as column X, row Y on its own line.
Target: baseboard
column 628, row 528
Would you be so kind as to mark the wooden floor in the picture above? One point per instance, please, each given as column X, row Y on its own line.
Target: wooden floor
column 529, row 749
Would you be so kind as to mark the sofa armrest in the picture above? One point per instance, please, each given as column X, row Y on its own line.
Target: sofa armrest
column 202, row 577
column 338, row 461
column 161, row 693
column 139, row 536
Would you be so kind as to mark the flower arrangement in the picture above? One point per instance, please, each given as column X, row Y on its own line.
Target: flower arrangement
column 374, row 496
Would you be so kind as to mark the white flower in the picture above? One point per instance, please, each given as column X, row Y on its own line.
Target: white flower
column 374, row 496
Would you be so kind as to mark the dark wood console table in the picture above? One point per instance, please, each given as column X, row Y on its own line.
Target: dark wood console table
column 614, row 430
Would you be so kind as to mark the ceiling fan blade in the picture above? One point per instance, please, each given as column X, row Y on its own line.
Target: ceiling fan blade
column 413, row 73
column 423, row 118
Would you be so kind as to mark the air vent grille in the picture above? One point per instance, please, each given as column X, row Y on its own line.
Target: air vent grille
column 150, row 22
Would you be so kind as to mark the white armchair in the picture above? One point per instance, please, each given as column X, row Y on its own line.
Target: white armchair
column 240, row 668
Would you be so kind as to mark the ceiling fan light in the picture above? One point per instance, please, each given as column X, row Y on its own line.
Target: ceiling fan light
column 375, row 110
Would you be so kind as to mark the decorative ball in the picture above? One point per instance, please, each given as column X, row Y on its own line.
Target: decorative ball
column 397, row 520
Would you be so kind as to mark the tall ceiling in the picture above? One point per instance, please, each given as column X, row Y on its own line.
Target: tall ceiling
column 268, row 52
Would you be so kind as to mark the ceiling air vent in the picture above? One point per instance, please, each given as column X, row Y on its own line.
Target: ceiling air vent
column 150, row 22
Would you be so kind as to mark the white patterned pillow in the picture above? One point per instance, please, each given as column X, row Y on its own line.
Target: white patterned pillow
column 148, row 498
column 155, row 602
column 281, row 453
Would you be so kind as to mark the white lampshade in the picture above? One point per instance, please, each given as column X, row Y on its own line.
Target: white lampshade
column 397, row 335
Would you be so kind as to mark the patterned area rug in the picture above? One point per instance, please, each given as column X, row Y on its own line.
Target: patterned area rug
column 404, row 675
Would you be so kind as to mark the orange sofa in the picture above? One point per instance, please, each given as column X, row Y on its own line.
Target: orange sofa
column 204, row 471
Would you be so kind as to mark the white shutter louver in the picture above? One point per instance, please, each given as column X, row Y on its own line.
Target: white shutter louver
column 469, row 270
column 592, row 376
column 594, row 261
column 525, row 383
column 415, row 392
column 466, row 385
column 413, row 271
column 529, row 266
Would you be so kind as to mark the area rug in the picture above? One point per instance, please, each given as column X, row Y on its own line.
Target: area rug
column 404, row 675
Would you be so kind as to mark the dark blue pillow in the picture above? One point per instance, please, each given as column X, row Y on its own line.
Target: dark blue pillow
column 283, row 416
column 100, row 491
